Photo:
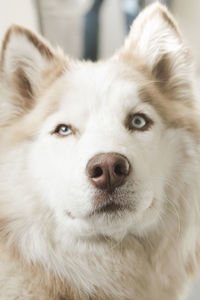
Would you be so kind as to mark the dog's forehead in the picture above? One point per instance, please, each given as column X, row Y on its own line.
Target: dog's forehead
column 95, row 86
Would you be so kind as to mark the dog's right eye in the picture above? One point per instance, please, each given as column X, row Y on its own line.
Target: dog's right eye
column 63, row 130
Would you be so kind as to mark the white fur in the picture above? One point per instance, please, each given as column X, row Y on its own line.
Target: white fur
column 139, row 254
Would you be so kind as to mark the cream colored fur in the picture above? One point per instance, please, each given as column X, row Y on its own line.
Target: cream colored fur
column 51, row 247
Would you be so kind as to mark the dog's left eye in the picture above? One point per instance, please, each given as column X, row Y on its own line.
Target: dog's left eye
column 63, row 130
column 139, row 121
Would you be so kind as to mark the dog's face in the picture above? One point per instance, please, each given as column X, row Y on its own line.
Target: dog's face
column 98, row 158
column 103, row 142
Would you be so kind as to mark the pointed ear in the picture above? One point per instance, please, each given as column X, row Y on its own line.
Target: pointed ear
column 156, row 43
column 27, row 64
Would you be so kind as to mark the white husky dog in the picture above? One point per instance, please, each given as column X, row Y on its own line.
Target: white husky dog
column 99, row 168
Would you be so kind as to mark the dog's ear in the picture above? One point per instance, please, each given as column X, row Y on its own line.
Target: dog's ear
column 156, row 44
column 27, row 64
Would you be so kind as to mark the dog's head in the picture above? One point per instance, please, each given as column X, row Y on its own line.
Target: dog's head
column 103, row 146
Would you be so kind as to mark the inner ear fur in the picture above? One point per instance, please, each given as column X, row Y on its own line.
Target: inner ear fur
column 28, row 64
column 155, row 45
column 36, row 40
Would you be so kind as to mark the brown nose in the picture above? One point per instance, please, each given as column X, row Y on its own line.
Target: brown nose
column 107, row 171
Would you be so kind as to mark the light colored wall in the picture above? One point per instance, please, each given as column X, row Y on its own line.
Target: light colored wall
column 187, row 14
column 112, row 28
column 17, row 12
column 61, row 23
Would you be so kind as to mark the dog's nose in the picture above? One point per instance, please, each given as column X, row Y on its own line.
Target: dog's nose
column 106, row 171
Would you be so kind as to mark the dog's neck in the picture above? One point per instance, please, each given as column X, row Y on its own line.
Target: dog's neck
column 95, row 269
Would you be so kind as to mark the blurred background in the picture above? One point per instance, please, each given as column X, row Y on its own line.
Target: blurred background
column 94, row 29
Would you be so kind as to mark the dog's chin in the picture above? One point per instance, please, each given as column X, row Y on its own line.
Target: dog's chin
column 121, row 223
column 109, row 225
column 113, row 222
column 114, row 217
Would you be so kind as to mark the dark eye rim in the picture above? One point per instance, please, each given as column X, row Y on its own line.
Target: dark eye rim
column 56, row 130
column 129, row 125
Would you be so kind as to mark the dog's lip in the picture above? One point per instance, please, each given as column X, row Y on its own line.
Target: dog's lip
column 109, row 208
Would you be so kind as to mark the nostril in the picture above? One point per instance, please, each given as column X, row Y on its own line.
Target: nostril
column 97, row 172
column 118, row 170
column 121, row 168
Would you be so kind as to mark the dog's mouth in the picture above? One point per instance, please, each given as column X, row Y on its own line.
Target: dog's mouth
column 109, row 204
column 110, row 207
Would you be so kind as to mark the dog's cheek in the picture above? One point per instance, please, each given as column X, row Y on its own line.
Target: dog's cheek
column 151, row 172
column 59, row 177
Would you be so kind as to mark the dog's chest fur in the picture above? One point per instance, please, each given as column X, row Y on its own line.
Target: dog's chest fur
column 114, row 273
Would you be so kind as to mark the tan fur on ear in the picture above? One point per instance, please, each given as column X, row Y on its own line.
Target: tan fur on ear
column 39, row 43
column 148, row 14
column 155, row 44
column 23, row 84
column 28, row 66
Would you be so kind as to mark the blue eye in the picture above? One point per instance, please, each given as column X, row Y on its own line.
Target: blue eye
column 63, row 130
column 139, row 121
